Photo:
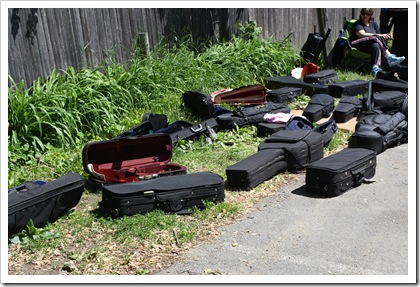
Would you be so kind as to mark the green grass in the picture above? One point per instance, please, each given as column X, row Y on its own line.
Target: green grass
column 50, row 123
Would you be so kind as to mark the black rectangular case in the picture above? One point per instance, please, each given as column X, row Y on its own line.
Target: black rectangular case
column 289, row 81
column 339, row 172
column 283, row 95
column 301, row 146
column 173, row 194
column 320, row 106
column 324, row 77
column 129, row 159
column 386, row 85
column 347, row 108
column 348, row 88
column 388, row 101
column 43, row 203
column 256, row 168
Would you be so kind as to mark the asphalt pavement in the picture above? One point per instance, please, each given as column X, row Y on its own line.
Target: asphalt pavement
column 362, row 232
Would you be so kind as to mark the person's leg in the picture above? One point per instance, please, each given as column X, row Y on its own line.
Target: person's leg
column 372, row 46
column 392, row 59
column 376, row 57
column 375, row 45
column 364, row 43
column 376, row 54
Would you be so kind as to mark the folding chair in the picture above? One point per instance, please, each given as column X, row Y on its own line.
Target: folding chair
column 353, row 58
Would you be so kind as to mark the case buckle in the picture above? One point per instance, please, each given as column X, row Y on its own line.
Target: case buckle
column 149, row 193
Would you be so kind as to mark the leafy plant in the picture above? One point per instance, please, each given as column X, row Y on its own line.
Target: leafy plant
column 249, row 31
column 31, row 233
column 340, row 138
column 217, row 211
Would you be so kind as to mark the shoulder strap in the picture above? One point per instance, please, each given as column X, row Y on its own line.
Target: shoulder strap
column 327, row 129
column 390, row 124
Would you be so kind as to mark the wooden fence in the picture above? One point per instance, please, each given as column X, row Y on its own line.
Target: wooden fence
column 44, row 39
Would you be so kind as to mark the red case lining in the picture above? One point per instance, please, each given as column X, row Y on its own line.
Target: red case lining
column 254, row 94
column 130, row 159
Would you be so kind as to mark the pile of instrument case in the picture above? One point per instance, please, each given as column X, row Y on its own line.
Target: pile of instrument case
column 136, row 176
column 135, row 173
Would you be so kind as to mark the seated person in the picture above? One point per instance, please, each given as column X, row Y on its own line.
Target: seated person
column 365, row 36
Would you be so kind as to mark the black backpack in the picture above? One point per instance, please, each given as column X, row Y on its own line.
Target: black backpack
column 380, row 131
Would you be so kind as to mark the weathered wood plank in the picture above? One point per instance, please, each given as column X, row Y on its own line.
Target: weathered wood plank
column 82, row 37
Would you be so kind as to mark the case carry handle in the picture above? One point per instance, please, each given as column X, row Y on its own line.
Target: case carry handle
column 196, row 130
column 359, row 177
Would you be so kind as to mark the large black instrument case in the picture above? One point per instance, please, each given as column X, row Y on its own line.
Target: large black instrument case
column 324, row 77
column 43, row 203
column 313, row 46
column 308, row 89
column 172, row 194
column 339, row 172
column 283, row 95
column 379, row 85
column 129, row 159
column 301, row 146
column 347, row 108
column 320, row 106
column 256, row 168
column 388, row 101
column 348, row 88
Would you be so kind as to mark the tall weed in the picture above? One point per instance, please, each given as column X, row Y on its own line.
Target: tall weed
column 70, row 108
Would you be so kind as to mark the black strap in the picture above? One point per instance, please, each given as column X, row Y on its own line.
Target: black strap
column 390, row 124
column 369, row 102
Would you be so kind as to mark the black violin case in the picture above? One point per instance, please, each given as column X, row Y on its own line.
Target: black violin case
column 255, row 169
column 43, row 203
column 173, row 194
column 339, row 172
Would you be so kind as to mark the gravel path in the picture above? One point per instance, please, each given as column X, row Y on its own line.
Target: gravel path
column 361, row 232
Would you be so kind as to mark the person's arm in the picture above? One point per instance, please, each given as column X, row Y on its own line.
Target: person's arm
column 386, row 36
column 362, row 33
